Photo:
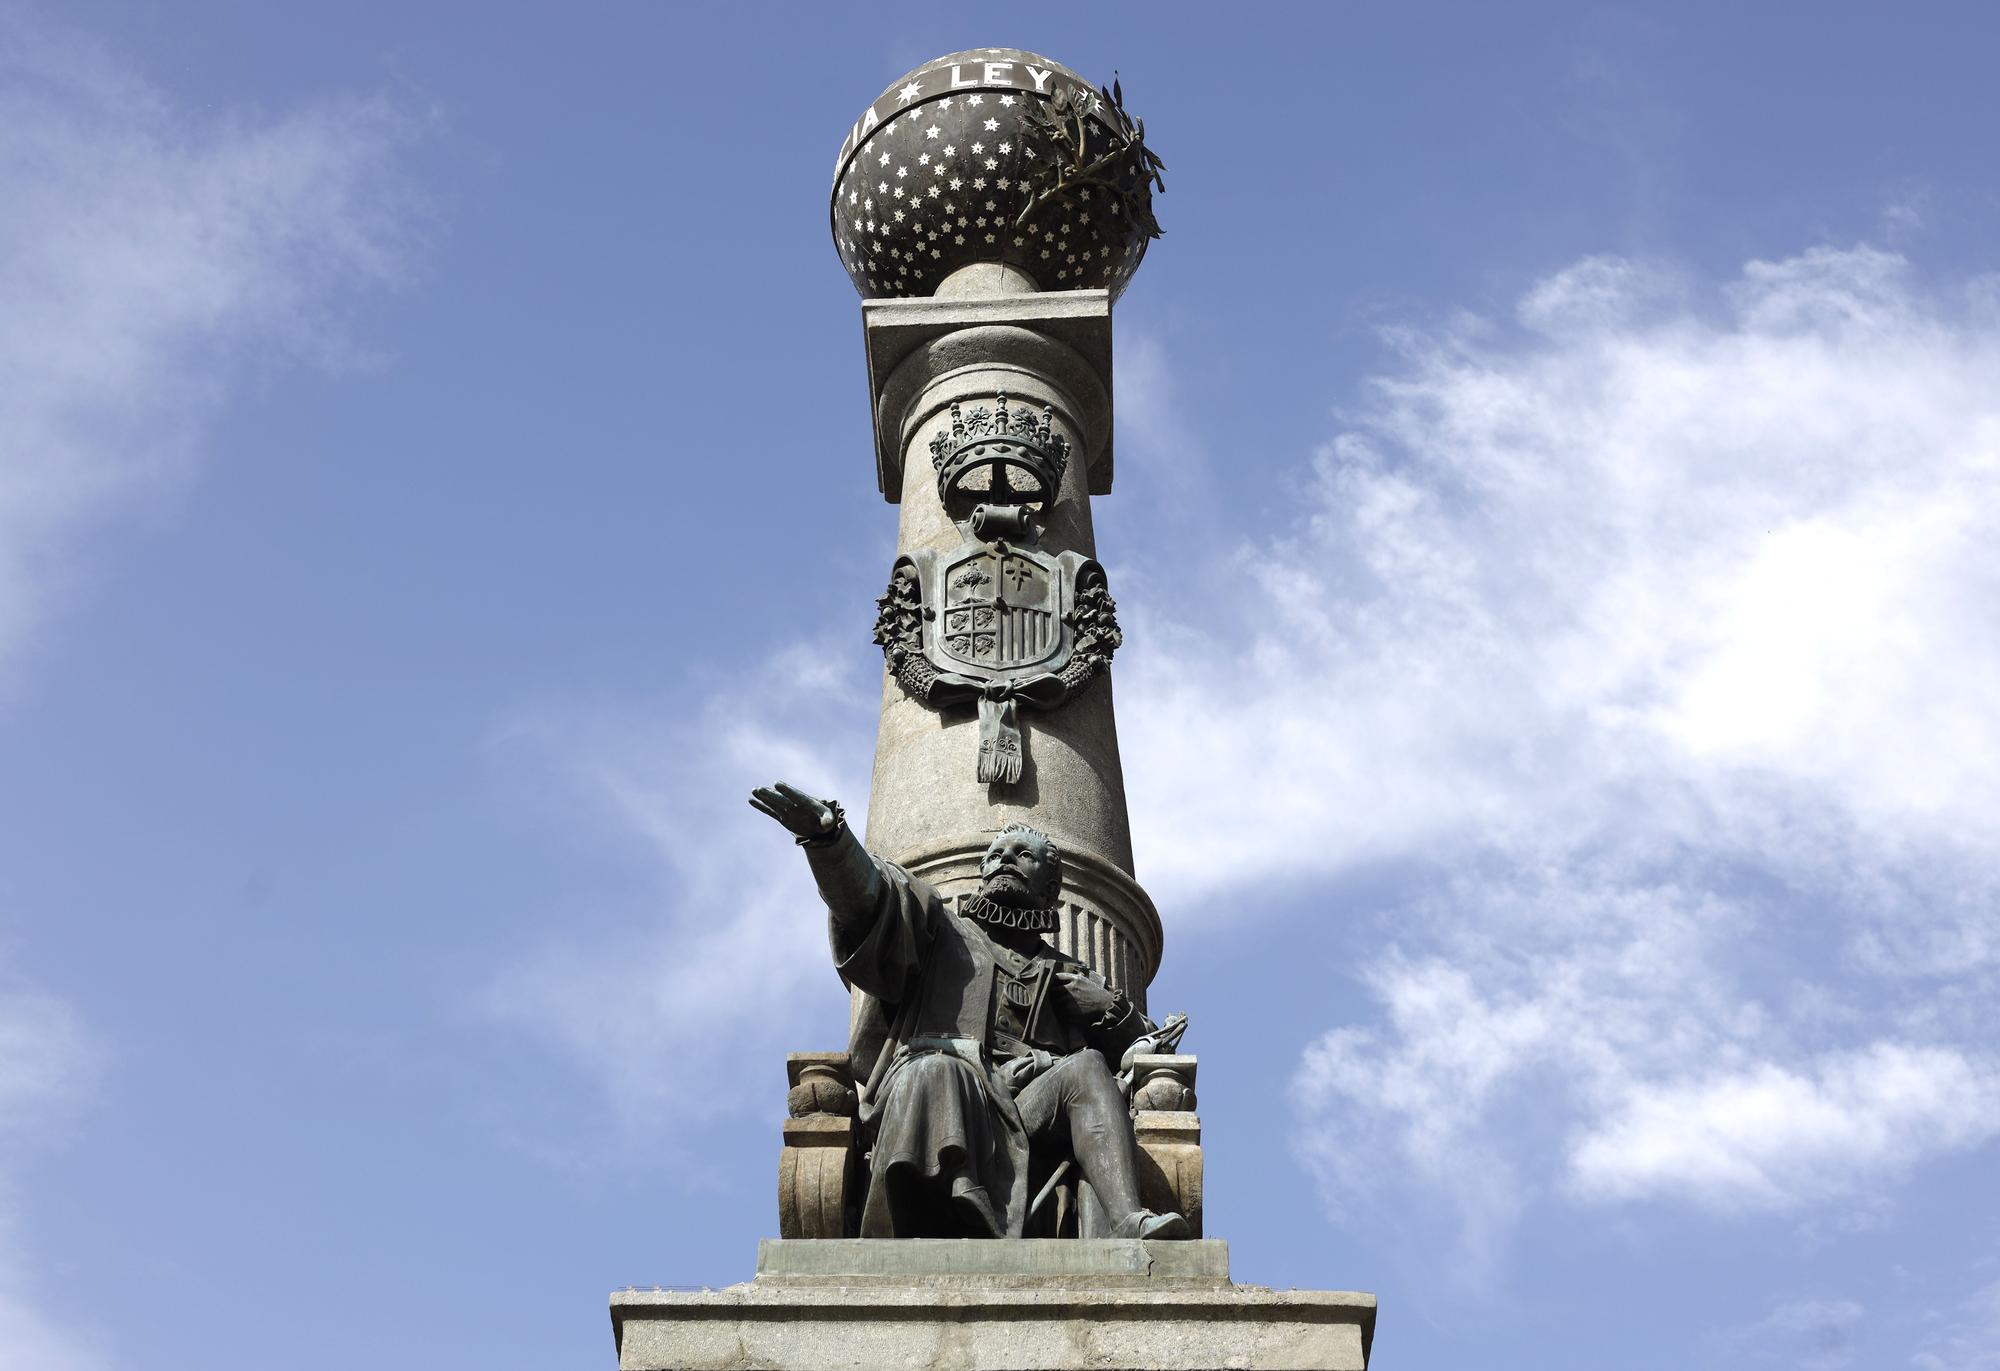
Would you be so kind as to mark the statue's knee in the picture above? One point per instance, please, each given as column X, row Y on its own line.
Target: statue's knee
column 1092, row 1067
column 1090, row 1080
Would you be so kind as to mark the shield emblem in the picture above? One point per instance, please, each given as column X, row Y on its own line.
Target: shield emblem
column 1002, row 609
column 998, row 626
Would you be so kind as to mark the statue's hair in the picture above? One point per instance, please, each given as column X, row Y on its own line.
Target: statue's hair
column 1048, row 846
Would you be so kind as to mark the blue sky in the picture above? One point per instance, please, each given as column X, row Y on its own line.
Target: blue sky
column 1561, row 703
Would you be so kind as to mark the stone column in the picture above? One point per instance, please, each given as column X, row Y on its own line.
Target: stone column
column 985, row 333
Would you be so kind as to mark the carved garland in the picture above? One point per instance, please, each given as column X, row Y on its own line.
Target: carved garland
column 899, row 632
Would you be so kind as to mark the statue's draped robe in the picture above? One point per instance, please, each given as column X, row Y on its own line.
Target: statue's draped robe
column 950, row 1149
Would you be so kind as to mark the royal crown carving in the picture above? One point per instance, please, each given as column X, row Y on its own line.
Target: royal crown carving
column 1018, row 455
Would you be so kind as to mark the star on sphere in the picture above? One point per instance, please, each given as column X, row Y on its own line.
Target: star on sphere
column 992, row 124
column 950, row 151
column 958, row 238
column 852, row 196
column 1007, row 101
column 1006, row 147
column 901, row 172
column 924, row 161
column 979, row 147
column 975, row 99
column 909, row 92
column 931, row 132
column 991, row 164
column 979, row 183
column 933, row 192
column 990, row 238
column 990, row 205
column 1002, row 183
column 885, row 159
column 956, row 183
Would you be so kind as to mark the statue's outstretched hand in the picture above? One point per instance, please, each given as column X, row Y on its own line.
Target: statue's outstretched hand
column 796, row 810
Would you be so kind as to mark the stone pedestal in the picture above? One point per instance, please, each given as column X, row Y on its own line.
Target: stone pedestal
column 1026, row 1305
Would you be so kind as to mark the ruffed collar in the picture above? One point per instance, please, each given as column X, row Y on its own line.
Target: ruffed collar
column 1005, row 916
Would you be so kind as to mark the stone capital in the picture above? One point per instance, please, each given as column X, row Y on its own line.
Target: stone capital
column 1053, row 346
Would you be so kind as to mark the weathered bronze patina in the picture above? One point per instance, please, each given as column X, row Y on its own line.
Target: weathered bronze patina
column 984, row 1054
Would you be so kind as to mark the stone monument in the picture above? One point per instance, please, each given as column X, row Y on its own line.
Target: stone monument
column 1003, row 1169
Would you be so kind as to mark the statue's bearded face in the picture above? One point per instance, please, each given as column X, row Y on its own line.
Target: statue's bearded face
column 1020, row 869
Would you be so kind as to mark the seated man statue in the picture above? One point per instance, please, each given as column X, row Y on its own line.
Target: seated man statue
column 975, row 1040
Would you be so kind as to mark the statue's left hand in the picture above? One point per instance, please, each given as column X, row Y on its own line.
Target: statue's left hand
column 796, row 810
column 1089, row 998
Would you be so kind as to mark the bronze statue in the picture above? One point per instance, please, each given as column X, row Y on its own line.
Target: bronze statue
column 985, row 1052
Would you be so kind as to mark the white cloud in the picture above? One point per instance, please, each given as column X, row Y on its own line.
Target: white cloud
column 1965, row 1337
column 146, row 254
column 1807, row 1335
column 685, row 1013
column 1768, row 1136
column 1726, row 575
column 47, row 1061
column 1658, row 636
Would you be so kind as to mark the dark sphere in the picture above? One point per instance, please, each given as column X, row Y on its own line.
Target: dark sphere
column 976, row 157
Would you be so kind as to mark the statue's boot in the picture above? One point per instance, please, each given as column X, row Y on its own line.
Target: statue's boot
column 1144, row 1223
column 975, row 1208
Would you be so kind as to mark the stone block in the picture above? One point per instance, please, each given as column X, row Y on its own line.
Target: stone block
column 1170, row 1170
column 1025, row 1305
column 1029, row 1258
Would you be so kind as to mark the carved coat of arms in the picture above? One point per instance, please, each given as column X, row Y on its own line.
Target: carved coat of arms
column 1000, row 623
